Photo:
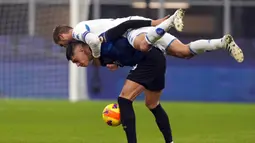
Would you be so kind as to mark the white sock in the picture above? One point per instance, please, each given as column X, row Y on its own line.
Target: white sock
column 154, row 34
column 166, row 24
column 201, row 46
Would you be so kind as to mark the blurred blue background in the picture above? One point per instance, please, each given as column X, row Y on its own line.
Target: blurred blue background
column 31, row 66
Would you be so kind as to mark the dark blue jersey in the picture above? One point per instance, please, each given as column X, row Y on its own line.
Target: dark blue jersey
column 120, row 52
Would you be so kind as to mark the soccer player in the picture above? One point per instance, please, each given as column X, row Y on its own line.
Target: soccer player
column 143, row 38
column 88, row 31
column 148, row 75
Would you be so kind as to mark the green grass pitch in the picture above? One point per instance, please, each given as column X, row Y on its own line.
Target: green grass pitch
column 56, row 121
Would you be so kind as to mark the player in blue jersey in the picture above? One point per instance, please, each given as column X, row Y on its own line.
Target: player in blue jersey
column 148, row 70
column 147, row 75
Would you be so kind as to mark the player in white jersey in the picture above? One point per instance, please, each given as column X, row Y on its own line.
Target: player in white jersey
column 88, row 31
column 142, row 38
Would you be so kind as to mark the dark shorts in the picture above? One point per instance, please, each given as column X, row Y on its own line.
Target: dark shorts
column 150, row 72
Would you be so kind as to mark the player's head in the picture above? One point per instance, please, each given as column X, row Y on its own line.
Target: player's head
column 62, row 35
column 79, row 53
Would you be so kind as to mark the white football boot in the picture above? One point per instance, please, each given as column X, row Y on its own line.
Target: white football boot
column 230, row 45
column 178, row 20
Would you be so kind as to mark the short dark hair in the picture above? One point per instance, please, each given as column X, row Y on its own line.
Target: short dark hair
column 60, row 29
column 71, row 47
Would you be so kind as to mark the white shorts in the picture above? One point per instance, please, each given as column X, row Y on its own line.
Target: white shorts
column 163, row 43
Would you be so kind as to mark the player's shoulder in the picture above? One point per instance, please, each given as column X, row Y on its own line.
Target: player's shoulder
column 86, row 25
column 81, row 27
column 80, row 24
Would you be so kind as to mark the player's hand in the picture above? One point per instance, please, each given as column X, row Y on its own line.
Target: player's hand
column 158, row 21
column 112, row 67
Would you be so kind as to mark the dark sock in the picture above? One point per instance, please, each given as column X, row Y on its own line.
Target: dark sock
column 163, row 123
column 127, row 115
column 117, row 31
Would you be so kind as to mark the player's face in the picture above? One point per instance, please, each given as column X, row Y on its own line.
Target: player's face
column 82, row 56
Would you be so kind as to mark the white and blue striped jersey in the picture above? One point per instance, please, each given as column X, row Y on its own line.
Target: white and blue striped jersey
column 88, row 31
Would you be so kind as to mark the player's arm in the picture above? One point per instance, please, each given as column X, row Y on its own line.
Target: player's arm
column 80, row 33
column 117, row 31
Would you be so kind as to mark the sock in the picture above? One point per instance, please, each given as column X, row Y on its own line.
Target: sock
column 157, row 32
column 201, row 46
column 163, row 123
column 127, row 115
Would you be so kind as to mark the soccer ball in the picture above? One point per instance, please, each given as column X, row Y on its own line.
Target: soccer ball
column 111, row 115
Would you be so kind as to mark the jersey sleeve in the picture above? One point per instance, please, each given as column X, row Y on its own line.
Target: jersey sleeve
column 81, row 32
column 117, row 31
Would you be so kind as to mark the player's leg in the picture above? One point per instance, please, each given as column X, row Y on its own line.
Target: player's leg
column 119, row 30
column 162, row 120
column 154, row 89
column 168, row 43
column 140, row 77
column 128, row 94
column 226, row 42
column 172, row 46
column 137, row 39
column 175, row 20
column 177, row 48
column 153, row 34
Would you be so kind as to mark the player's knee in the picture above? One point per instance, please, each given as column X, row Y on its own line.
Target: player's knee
column 182, row 51
column 151, row 104
column 131, row 90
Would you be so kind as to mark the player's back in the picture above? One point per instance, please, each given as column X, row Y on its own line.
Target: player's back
column 97, row 26
column 122, row 52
